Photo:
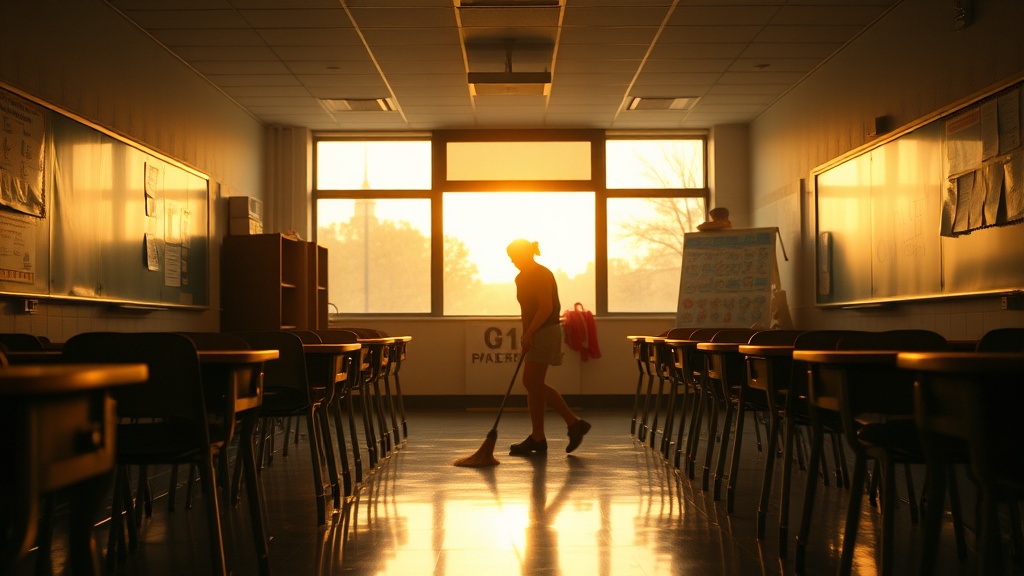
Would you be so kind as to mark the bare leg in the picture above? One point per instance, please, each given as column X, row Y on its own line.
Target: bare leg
column 539, row 395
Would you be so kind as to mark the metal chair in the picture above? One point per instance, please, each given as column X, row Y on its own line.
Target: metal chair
column 163, row 421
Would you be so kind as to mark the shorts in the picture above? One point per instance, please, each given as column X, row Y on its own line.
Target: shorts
column 547, row 346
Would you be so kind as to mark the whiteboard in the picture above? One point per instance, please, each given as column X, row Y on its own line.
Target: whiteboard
column 881, row 216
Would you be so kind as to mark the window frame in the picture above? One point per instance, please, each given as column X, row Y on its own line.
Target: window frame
column 440, row 184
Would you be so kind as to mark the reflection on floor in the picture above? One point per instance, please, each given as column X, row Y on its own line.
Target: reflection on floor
column 612, row 508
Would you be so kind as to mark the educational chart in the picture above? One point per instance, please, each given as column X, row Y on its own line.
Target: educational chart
column 726, row 278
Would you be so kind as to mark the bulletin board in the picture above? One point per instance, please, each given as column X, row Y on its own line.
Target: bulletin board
column 726, row 278
column 935, row 211
column 89, row 215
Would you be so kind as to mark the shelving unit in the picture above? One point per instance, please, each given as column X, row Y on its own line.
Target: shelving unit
column 317, row 266
column 272, row 282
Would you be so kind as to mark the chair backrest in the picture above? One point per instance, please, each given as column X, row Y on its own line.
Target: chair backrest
column 175, row 386
column 1002, row 340
column 307, row 336
column 882, row 389
column 679, row 333
column 774, row 337
column 337, row 336
column 21, row 342
column 364, row 332
column 287, row 372
column 903, row 340
column 217, row 341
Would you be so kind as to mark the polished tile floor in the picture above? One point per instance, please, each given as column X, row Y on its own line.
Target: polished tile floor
column 612, row 508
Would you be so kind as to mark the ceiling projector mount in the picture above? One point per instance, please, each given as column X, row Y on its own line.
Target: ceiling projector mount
column 509, row 83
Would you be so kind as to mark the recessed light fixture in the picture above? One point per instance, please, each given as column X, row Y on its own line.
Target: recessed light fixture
column 358, row 104
column 654, row 103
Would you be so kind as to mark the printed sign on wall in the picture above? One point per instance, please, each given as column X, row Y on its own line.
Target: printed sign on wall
column 492, row 352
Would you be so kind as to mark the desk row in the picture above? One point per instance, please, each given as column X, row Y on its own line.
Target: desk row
column 869, row 392
column 107, row 401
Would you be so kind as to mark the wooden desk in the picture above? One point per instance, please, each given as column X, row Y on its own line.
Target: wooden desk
column 233, row 381
column 33, row 356
column 976, row 398
column 378, row 359
column 962, row 362
column 57, row 426
column 326, row 370
column 854, row 384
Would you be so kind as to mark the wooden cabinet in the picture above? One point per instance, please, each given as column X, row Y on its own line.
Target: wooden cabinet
column 317, row 274
column 272, row 282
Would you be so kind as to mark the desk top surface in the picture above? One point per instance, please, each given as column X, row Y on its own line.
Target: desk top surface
column 46, row 379
column 645, row 338
column 719, row 346
column 962, row 362
column 330, row 348
column 846, row 356
column 236, row 356
column 766, row 349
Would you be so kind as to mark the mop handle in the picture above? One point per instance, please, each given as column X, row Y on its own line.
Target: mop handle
column 509, row 391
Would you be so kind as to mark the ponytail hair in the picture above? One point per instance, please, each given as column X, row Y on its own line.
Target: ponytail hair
column 521, row 246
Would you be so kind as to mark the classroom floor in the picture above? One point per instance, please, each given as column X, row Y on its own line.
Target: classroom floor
column 612, row 508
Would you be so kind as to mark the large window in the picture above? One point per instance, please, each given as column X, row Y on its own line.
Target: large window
column 610, row 228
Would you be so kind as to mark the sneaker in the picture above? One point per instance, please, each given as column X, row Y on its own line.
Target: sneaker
column 576, row 432
column 528, row 447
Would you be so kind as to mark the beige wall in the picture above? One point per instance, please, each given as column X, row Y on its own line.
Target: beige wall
column 910, row 65
column 85, row 58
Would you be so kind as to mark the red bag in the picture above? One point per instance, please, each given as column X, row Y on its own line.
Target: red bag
column 581, row 332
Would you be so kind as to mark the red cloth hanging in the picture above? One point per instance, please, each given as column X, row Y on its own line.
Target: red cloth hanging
column 581, row 332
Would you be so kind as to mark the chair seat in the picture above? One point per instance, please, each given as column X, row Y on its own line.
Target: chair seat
column 163, row 441
column 896, row 435
column 279, row 400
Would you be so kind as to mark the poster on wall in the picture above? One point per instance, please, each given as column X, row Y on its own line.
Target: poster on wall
column 726, row 278
column 22, row 135
column 17, row 250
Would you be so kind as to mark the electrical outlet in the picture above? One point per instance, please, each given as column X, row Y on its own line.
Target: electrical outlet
column 31, row 306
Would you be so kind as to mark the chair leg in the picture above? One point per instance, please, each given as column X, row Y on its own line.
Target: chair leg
column 357, row 460
column 636, row 401
column 957, row 513
column 334, row 409
column 723, row 448
column 789, row 444
column 246, row 460
column 209, row 478
column 709, row 452
column 853, row 515
column 737, row 443
column 888, row 517
column 915, row 513
column 44, row 536
column 935, row 491
column 817, row 444
column 653, row 431
column 327, row 446
column 314, row 454
column 769, row 472
column 172, row 488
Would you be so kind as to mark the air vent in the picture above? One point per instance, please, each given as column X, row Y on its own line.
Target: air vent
column 638, row 103
column 358, row 104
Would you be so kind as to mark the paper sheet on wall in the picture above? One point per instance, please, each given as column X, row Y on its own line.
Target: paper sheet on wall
column 17, row 250
column 1009, row 121
column 964, row 141
column 172, row 265
column 152, row 253
column 22, row 131
column 1013, row 187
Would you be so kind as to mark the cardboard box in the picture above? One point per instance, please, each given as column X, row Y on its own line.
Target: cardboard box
column 245, row 207
column 244, row 226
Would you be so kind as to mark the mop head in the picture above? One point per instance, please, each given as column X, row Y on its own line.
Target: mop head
column 484, row 456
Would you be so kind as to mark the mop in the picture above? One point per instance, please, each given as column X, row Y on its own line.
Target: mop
column 485, row 455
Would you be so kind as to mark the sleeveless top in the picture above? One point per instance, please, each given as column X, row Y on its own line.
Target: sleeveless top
column 530, row 281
